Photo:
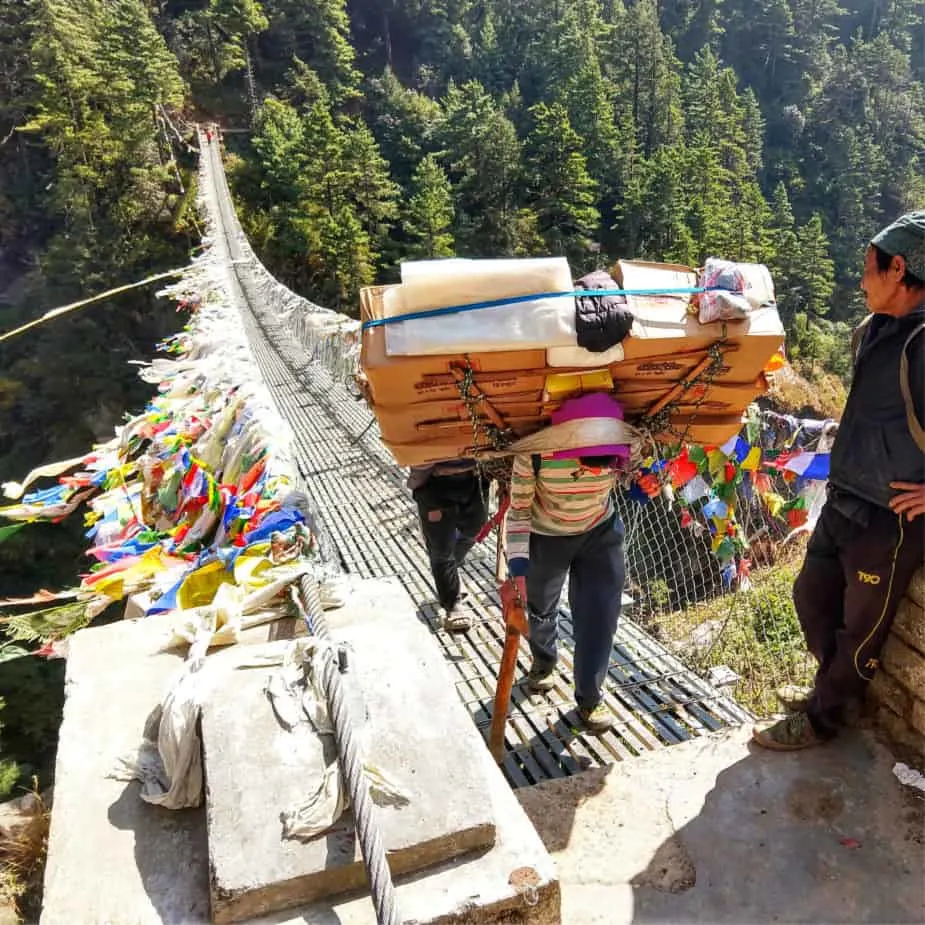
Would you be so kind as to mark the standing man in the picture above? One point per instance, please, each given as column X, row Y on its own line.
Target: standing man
column 562, row 521
column 870, row 537
column 451, row 498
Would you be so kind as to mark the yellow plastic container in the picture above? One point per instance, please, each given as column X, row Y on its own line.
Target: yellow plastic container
column 561, row 385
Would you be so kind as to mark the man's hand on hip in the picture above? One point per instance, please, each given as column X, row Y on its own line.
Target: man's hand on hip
column 910, row 500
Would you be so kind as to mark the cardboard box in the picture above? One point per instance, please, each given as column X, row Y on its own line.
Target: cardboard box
column 449, row 419
column 705, row 398
column 665, row 333
column 423, row 419
column 644, row 274
column 663, row 367
column 670, row 335
column 399, row 381
column 701, row 429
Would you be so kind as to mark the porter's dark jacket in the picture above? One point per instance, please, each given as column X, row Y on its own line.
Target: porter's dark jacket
column 874, row 445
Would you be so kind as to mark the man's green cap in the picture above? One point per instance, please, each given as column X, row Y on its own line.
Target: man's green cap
column 906, row 238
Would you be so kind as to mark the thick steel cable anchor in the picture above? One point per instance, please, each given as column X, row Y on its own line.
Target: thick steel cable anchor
column 364, row 810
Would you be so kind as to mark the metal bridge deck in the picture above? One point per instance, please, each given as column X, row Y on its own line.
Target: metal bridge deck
column 359, row 497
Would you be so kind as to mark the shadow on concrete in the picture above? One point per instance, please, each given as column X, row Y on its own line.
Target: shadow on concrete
column 168, row 845
column 554, row 824
column 823, row 835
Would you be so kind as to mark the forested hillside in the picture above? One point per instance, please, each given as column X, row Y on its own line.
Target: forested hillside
column 91, row 197
column 785, row 131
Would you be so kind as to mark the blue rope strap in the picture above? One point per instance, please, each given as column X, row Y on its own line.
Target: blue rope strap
column 514, row 300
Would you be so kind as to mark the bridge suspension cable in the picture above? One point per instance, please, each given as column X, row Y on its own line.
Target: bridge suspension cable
column 73, row 306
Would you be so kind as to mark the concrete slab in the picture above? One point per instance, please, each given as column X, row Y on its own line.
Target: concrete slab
column 112, row 857
column 416, row 731
column 717, row 830
column 115, row 859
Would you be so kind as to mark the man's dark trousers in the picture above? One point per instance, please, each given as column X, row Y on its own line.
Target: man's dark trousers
column 595, row 564
column 453, row 510
column 858, row 565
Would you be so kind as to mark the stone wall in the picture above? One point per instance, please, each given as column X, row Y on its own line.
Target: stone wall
column 897, row 693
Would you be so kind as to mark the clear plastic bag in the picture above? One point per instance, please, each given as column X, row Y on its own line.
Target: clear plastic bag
column 742, row 288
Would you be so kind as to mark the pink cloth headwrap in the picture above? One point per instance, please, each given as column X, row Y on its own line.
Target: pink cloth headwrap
column 591, row 405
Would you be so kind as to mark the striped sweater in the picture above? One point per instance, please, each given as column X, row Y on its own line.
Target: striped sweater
column 565, row 499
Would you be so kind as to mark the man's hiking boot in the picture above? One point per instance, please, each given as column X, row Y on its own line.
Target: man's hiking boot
column 789, row 734
column 794, row 698
column 541, row 678
column 596, row 719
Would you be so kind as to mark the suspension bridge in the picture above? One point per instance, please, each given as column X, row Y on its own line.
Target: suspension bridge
column 673, row 799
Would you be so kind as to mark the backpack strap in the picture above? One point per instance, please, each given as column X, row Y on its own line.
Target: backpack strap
column 915, row 427
column 537, row 460
column 857, row 335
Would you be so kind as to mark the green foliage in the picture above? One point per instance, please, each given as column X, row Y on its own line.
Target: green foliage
column 241, row 18
column 756, row 633
column 91, row 175
column 325, row 203
column 404, row 122
column 9, row 770
column 482, row 154
column 773, row 612
column 316, row 32
column 32, row 694
column 559, row 189
column 429, row 213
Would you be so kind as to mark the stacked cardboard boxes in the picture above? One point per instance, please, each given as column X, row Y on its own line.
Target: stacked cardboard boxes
column 437, row 407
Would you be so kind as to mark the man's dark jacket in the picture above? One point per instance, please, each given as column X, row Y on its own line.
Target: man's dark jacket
column 874, row 445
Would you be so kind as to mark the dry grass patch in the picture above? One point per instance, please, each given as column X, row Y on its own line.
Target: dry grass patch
column 23, row 849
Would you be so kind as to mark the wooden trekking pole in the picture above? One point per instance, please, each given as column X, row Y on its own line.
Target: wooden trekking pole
column 514, row 611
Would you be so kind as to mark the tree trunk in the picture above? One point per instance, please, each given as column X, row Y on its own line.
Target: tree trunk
column 387, row 36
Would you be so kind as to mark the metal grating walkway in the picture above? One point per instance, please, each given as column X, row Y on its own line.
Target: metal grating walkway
column 359, row 497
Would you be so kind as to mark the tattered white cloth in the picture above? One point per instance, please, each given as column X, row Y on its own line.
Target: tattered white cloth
column 169, row 762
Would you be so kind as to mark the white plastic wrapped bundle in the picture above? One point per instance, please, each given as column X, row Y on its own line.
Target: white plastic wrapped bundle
column 583, row 359
column 433, row 284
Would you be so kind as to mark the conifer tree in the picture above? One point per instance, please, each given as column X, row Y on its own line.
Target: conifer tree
column 482, row 154
column 783, row 246
column 282, row 149
column 304, row 87
column 404, row 122
column 813, row 280
column 318, row 33
column 367, row 185
column 428, row 216
column 559, row 189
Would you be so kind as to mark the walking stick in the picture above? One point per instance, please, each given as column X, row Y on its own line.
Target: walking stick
column 514, row 611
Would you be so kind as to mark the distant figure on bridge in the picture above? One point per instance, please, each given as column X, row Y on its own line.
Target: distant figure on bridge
column 209, row 135
column 452, row 505
column 562, row 521
column 870, row 538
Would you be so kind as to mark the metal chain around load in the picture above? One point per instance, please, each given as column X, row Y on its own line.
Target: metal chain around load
column 497, row 438
column 364, row 810
column 661, row 421
column 497, row 469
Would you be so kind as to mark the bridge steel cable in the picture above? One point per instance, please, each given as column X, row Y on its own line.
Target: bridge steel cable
column 231, row 242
